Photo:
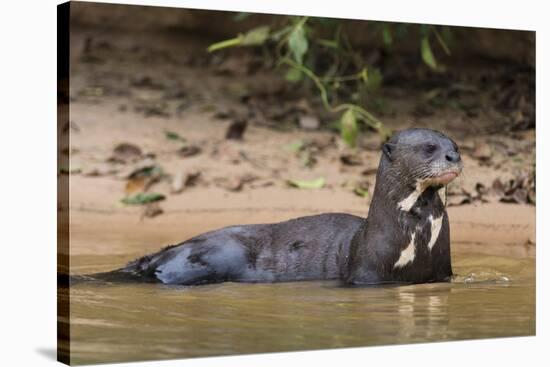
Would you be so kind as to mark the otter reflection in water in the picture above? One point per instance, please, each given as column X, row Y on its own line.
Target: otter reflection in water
column 404, row 239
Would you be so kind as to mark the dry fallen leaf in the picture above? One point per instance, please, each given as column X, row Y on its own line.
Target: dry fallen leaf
column 188, row 151
column 149, row 108
column 351, row 159
column 235, row 183
column 236, row 130
column 520, row 189
column 261, row 183
column 135, row 185
column 498, row 188
column 142, row 166
column 126, row 153
column 369, row 171
column 142, row 177
column 463, row 196
column 152, row 210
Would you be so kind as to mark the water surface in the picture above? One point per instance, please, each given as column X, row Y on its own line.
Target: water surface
column 490, row 297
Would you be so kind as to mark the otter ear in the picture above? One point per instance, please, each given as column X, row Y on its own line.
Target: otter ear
column 388, row 149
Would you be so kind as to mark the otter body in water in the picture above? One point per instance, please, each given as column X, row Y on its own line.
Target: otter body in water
column 405, row 238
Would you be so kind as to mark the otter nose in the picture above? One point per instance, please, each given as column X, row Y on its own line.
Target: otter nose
column 452, row 156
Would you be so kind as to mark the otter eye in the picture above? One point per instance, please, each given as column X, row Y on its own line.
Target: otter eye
column 430, row 148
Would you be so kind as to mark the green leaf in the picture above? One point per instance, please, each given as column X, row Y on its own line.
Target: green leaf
column 374, row 80
column 313, row 184
column 256, row 36
column 365, row 75
column 427, row 54
column 360, row 192
column 297, row 43
column 293, row 75
column 348, row 128
column 170, row 135
column 142, row 198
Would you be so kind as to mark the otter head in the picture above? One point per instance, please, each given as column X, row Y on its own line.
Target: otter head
column 420, row 158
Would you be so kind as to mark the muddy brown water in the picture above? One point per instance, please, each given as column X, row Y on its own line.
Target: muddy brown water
column 491, row 296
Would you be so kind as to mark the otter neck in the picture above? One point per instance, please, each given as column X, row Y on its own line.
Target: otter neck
column 399, row 191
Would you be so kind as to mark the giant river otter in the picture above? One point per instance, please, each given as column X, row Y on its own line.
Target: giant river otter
column 405, row 238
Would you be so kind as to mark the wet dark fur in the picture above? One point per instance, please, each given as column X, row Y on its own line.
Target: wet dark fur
column 326, row 246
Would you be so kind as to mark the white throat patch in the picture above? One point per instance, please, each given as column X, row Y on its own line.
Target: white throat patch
column 443, row 194
column 407, row 203
column 407, row 255
column 436, row 228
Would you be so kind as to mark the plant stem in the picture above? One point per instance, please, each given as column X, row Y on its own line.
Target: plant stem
column 223, row 44
column 313, row 77
column 366, row 116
